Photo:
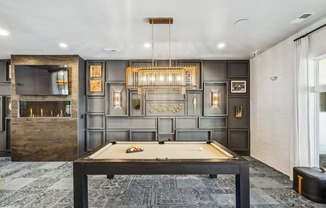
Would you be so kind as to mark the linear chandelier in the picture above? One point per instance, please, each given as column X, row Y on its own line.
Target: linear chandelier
column 154, row 77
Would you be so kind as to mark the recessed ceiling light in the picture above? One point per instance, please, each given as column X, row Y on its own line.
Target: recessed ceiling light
column 111, row 50
column 221, row 45
column 3, row 32
column 63, row 45
column 147, row 45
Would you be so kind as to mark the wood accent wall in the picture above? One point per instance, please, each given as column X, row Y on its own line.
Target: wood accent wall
column 46, row 139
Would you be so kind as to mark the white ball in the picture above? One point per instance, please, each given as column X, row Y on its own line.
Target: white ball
column 201, row 149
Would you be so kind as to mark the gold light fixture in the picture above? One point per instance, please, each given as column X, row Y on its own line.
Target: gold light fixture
column 154, row 77
column 116, row 99
column 215, row 99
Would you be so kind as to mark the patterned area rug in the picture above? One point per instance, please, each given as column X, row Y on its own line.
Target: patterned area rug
column 49, row 184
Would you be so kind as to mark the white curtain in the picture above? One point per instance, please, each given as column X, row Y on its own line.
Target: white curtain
column 303, row 132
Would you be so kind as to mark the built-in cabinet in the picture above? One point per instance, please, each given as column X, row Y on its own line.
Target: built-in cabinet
column 50, row 127
column 217, row 109
column 5, row 107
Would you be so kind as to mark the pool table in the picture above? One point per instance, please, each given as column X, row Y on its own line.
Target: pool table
column 169, row 157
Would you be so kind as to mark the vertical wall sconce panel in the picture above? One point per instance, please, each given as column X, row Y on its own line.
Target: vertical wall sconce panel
column 117, row 99
column 215, row 98
column 116, row 95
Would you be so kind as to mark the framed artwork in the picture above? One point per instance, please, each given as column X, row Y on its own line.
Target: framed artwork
column 96, row 71
column 136, row 102
column 8, row 71
column 194, row 100
column 95, row 85
column 238, row 86
column 238, row 111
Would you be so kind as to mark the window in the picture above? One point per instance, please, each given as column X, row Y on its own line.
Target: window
column 321, row 114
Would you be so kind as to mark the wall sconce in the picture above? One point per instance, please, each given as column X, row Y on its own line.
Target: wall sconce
column 215, row 99
column 116, row 99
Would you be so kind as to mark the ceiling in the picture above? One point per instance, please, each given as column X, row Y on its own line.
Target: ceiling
column 88, row 27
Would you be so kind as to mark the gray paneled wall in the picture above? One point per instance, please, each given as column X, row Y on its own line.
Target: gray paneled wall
column 167, row 115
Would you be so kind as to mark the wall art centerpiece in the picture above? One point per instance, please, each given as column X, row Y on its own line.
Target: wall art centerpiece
column 155, row 108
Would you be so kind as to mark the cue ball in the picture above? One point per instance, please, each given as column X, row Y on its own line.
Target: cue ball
column 201, row 149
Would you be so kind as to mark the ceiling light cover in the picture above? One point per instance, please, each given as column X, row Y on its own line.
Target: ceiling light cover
column 3, row 32
column 147, row 45
column 221, row 45
column 63, row 45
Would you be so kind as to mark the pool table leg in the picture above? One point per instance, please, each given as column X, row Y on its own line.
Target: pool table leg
column 212, row 175
column 243, row 187
column 109, row 176
column 80, row 187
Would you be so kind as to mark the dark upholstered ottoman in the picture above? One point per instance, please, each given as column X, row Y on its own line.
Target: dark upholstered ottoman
column 310, row 183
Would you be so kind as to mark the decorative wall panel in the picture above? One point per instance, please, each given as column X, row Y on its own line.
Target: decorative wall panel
column 238, row 139
column 136, row 104
column 117, row 99
column 194, row 103
column 117, row 135
column 143, row 135
column 95, row 105
column 164, row 108
column 166, row 94
column 212, row 122
column 131, row 123
column 215, row 98
column 186, row 123
column 193, row 135
column 166, row 125
column 94, row 138
column 95, row 121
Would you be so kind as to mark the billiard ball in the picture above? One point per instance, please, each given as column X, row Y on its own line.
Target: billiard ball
column 201, row 149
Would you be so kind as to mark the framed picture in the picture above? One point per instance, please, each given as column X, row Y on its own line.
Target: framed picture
column 95, row 85
column 238, row 111
column 238, row 86
column 96, row 71
column 8, row 71
column 136, row 102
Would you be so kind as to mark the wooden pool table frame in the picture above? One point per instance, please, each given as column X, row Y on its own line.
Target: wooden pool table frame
column 237, row 166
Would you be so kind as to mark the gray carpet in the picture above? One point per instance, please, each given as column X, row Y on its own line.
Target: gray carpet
column 49, row 184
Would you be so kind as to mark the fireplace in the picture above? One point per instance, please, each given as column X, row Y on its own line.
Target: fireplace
column 44, row 109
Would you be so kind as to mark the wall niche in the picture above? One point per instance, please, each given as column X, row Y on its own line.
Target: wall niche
column 46, row 127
